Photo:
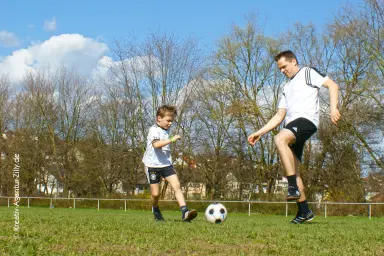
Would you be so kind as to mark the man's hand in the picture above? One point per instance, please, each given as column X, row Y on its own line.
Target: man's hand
column 333, row 99
column 253, row 138
column 335, row 115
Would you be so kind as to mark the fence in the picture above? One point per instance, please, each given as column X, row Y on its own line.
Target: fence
column 320, row 206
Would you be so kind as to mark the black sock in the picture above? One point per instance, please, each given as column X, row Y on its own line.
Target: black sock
column 303, row 207
column 183, row 208
column 292, row 181
column 155, row 209
column 298, row 206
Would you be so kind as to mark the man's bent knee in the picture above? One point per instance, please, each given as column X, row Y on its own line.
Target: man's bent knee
column 284, row 139
column 280, row 141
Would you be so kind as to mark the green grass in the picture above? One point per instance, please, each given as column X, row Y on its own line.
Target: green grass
column 115, row 232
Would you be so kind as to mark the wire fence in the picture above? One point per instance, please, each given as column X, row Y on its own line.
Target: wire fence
column 368, row 209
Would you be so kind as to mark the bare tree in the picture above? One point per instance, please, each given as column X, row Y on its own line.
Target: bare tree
column 212, row 128
column 244, row 60
column 358, row 36
column 5, row 119
column 74, row 99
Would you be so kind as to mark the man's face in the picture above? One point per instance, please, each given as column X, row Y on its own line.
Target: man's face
column 165, row 122
column 288, row 68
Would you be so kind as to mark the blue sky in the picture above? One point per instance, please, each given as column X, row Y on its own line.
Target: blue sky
column 25, row 24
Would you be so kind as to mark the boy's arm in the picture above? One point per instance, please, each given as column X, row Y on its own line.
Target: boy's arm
column 275, row 121
column 333, row 98
column 162, row 143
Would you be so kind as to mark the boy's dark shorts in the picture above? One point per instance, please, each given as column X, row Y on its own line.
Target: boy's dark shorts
column 154, row 174
column 303, row 129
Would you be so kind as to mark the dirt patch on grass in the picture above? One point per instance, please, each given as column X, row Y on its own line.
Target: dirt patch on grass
column 101, row 249
column 204, row 247
column 197, row 248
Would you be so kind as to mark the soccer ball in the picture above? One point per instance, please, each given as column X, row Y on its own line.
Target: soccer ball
column 216, row 213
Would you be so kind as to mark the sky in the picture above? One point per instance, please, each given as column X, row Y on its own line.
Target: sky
column 80, row 33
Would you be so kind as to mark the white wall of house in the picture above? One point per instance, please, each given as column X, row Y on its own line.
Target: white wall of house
column 51, row 187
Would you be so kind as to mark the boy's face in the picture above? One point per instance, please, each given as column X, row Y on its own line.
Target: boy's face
column 165, row 122
column 288, row 68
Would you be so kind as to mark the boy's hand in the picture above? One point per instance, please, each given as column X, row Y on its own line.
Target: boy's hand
column 176, row 137
column 335, row 115
column 253, row 138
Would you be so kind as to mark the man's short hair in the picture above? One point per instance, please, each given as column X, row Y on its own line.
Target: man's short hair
column 289, row 56
column 166, row 110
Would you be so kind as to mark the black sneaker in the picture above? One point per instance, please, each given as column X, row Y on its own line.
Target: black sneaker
column 189, row 215
column 301, row 218
column 157, row 214
column 293, row 193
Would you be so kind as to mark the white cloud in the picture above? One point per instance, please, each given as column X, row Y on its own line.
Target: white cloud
column 70, row 50
column 134, row 66
column 50, row 25
column 8, row 39
column 102, row 66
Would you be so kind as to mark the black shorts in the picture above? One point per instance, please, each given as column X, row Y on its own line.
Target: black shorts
column 154, row 174
column 303, row 129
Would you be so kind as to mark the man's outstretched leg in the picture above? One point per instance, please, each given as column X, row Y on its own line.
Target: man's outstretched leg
column 282, row 140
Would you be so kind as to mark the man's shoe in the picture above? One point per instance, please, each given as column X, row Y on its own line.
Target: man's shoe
column 158, row 215
column 293, row 193
column 301, row 218
column 189, row 215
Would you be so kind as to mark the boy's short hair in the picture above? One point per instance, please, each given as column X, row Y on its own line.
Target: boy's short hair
column 166, row 110
column 289, row 56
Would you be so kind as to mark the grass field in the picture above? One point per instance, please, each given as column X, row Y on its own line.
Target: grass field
column 114, row 232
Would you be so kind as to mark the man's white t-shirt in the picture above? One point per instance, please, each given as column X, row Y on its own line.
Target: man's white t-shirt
column 301, row 95
column 157, row 157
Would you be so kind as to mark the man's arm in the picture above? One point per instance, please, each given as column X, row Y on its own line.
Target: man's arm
column 274, row 122
column 333, row 98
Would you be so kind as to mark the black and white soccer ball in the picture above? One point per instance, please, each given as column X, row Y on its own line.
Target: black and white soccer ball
column 216, row 213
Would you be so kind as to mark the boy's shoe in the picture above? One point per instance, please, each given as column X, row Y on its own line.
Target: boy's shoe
column 158, row 215
column 293, row 193
column 301, row 218
column 189, row 215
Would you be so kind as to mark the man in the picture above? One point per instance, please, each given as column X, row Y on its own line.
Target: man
column 299, row 106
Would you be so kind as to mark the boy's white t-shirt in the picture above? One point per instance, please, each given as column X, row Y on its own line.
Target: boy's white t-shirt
column 157, row 157
column 301, row 95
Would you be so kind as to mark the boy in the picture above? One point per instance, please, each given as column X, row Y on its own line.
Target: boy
column 299, row 106
column 158, row 162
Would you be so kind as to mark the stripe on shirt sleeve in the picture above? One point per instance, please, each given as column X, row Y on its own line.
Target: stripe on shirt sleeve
column 308, row 77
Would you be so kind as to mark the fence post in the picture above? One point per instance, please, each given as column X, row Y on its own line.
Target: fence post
column 370, row 210
column 8, row 202
column 286, row 209
column 325, row 210
column 125, row 205
column 74, row 203
column 50, row 204
column 28, row 202
column 98, row 204
column 249, row 208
